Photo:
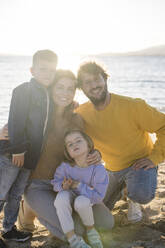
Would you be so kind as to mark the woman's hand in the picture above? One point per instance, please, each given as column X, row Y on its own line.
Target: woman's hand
column 4, row 133
column 66, row 184
column 94, row 157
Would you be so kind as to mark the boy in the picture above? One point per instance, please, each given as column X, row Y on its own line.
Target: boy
column 28, row 122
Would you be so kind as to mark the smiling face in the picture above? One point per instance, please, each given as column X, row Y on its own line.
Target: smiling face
column 76, row 145
column 44, row 72
column 94, row 87
column 64, row 91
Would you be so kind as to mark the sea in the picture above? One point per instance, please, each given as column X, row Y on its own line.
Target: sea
column 134, row 76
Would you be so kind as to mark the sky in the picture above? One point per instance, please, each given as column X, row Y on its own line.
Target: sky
column 80, row 26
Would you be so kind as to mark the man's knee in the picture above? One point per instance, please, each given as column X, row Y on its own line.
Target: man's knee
column 141, row 185
column 141, row 196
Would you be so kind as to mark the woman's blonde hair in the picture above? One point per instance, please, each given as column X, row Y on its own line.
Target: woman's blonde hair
column 89, row 141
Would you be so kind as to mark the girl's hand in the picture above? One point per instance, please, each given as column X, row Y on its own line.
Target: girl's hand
column 66, row 184
column 4, row 133
column 94, row 157
column 74, row 184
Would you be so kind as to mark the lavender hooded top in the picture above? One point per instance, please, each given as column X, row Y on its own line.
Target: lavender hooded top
column 93, row 180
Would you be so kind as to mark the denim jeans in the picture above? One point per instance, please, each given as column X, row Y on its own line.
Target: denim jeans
column 141, row 185
column 13, row 181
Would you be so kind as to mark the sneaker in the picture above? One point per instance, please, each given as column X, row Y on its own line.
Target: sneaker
column 16, row 235
column 78, row 242
column 94, row 238
column 134, row 212
column 2, row 244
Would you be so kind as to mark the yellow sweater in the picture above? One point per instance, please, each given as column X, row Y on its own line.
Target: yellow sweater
column 121, row 131
column 53, row 152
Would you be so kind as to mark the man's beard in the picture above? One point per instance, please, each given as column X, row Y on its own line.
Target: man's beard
column 101, row 99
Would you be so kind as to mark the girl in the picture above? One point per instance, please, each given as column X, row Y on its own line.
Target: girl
column 80, row 186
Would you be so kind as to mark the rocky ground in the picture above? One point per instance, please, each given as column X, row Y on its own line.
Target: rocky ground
column 150, row 233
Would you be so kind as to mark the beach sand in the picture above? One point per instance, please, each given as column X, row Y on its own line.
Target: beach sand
column 150, row 233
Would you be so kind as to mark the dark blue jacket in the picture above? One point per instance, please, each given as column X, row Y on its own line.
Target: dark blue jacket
column 28, row 111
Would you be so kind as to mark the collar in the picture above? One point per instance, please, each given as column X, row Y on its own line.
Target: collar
column 38, row 85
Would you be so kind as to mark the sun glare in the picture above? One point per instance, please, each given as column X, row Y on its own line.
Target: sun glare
column 86, row 27
column 70, row 62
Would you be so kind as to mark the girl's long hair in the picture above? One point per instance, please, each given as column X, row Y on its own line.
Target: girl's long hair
column 67, row 157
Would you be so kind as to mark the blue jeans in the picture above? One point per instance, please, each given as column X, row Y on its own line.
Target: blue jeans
column 13, row 181
column 141, row 185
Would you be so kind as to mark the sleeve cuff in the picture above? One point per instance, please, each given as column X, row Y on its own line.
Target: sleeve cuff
column 18, row 154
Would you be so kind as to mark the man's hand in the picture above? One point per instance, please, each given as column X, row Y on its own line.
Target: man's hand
column 66, row 184
column 4, row 133
column 145, row 163
column 94, row 157
column 18, row 159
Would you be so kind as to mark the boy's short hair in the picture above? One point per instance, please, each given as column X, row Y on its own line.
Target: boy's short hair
column 47, row 55
column 93, row 68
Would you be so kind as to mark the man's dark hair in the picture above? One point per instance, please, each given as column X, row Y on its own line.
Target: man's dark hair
column 47, row 55
column 91, row 68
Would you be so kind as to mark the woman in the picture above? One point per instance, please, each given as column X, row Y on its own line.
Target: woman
column 39, row 194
